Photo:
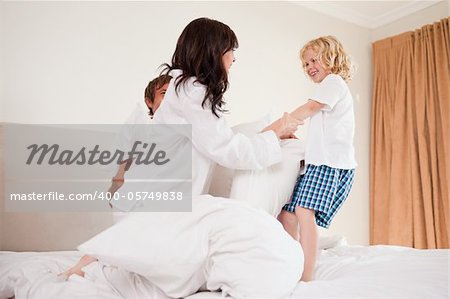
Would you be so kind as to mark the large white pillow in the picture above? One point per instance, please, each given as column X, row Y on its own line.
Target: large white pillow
column 222, row 177
column 222, row 244
column 251, row 255
column 270, row 188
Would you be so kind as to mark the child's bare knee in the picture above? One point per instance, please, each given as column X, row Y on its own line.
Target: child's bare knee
column 288, row 218
column 302, row 212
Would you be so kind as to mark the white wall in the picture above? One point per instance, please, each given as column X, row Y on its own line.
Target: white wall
column 88, row 62
column 414, row 21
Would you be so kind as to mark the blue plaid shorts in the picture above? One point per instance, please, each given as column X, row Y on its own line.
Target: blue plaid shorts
column 322, row 189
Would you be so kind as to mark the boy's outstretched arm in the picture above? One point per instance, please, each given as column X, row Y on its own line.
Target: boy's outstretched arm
column 307, row 110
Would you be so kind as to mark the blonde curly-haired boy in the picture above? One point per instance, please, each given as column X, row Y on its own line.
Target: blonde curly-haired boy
column 330, row 155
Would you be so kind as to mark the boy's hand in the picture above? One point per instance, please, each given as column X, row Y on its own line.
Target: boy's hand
column 117, row 182
column 285, row 126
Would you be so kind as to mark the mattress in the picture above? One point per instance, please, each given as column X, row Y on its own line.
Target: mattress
column 342, row 272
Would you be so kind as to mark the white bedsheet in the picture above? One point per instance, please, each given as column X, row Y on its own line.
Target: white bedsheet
column 33, row 275
column 342, row 272
column 379, row 272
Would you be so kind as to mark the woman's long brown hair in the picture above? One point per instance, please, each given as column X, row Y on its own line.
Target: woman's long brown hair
column 199, row 53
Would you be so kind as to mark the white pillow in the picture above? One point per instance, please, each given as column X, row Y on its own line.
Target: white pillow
column 249, row 129
column 270, row 188
column 330, row 241
column 222, row 177
column 222, row 244
column 251, row 255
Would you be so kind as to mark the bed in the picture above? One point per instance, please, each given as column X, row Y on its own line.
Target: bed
column 342, row 272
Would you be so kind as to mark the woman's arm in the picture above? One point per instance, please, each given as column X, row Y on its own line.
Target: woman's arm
column 212, row 136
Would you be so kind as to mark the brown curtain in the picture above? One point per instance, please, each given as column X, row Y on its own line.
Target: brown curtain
column 410, row 153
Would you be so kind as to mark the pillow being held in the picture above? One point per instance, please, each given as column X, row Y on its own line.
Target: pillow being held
column 270, row 188
column 222, row 177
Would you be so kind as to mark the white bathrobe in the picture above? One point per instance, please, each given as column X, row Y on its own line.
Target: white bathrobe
column 213, row 141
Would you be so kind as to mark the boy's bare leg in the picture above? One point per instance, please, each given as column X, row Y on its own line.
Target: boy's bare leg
column 308, row 240
column 83, row 262
column 290, row 223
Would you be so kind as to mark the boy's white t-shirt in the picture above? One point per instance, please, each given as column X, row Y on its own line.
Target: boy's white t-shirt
column 129, row 131
column 331, row 130
column 128, row 135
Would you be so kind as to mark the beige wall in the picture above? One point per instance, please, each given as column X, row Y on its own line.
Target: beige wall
column 51, row 231
column 414, row 21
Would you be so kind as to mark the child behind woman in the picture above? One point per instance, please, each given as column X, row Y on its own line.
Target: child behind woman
column 153, row 96
column 321, row 191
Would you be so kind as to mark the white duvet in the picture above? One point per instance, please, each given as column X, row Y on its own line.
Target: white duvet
column 217, row 246
column 222, row 245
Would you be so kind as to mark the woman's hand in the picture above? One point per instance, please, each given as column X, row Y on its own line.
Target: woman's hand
column 284, row 127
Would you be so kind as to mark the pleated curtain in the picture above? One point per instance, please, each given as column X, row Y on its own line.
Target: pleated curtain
column 410, row 154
